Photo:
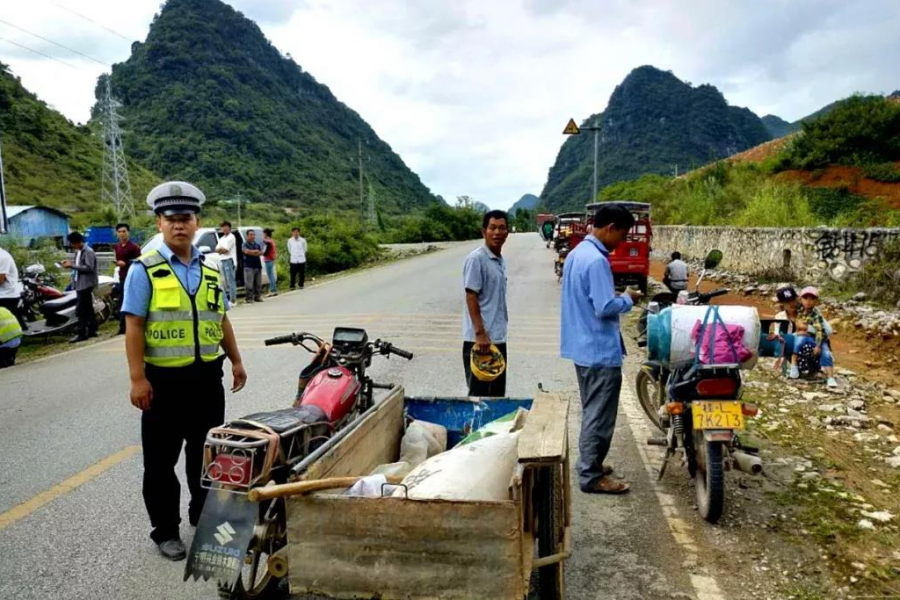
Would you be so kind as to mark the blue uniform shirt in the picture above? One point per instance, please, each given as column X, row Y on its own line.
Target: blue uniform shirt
column 485, row 273
column 137, row 284
column 589, row 324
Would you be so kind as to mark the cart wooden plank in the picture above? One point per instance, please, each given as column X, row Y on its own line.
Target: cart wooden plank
column 359, row 453
column 544, row 437
column 395, row 548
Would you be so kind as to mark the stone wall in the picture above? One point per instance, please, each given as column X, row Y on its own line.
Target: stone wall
column 811, row 254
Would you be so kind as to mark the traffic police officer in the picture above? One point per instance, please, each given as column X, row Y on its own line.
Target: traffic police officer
column 176, row 332
column 10, row 337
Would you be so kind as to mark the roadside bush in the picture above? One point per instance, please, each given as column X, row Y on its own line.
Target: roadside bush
column 440, row 223
column 333, row 244
column 45, row 252
column 829, row 204
column 776, row 205
column 886, row 172
column 861, row 130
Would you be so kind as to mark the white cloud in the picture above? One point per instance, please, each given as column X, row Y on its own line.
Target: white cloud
column 473, row 95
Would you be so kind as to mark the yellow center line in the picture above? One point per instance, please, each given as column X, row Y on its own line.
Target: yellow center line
column 24, row 509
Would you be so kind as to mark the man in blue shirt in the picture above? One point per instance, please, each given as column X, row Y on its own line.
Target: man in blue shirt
column 591, row 338
column 486, row 318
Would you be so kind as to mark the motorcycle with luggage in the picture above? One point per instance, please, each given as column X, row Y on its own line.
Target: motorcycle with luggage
column 237, row 539
column 695, row 400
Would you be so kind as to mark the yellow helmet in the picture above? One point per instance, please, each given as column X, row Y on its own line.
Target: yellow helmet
column 487, row 367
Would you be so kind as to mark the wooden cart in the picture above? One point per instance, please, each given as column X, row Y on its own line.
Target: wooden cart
column 352, row 547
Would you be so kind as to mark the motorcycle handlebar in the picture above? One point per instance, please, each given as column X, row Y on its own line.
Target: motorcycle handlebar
column 281, row 339
column 713, row 294
column 388, row 348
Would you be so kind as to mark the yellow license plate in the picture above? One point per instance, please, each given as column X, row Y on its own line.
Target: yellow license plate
column 724, row 414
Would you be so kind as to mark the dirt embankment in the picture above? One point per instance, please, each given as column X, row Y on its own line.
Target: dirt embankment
column 852, row 179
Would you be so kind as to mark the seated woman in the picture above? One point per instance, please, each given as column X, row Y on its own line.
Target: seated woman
column 787, row 301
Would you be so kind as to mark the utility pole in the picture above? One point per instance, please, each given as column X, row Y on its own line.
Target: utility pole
column 362, row 203
column 371, row 217
column 238, row 199
column 573, row 129
column 115, row 187
column 3, row 221
column 596, row 129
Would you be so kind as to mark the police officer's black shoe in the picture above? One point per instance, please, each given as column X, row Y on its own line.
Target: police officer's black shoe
column 172, row 549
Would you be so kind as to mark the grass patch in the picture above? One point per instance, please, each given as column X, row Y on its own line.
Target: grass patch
column 886, row 172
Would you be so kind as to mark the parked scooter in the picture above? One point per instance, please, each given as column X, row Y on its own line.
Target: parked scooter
column 699, row 409
column 36, row 289
column 237, row 540
column 59, row 313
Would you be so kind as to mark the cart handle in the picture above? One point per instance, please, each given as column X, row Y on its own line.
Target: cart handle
column 305, row 487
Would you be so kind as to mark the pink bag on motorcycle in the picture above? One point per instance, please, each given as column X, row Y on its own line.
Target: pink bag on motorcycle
column 728, row 346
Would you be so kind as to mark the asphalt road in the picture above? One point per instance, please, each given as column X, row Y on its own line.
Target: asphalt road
column 72, row 522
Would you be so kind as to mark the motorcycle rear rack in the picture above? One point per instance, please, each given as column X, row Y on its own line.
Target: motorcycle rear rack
column 257, row 450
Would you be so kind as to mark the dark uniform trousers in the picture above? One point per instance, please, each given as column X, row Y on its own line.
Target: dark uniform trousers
column 493, row 389
column 187, row 403
column 84, row 312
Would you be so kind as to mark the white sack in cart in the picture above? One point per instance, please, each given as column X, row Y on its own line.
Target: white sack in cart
column 684, row 319
column 420, row 442
column 478, row 471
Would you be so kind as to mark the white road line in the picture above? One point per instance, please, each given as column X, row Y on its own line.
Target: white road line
column 703, row 582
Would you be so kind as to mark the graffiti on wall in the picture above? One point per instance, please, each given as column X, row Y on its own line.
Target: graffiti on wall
column 814, row 254
column 852, row 244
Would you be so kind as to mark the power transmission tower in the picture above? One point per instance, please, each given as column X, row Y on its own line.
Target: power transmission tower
column 115, row 188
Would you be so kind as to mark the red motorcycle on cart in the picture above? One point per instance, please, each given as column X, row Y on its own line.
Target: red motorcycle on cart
column 236, row 539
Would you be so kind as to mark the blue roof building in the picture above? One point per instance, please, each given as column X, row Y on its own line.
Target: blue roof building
column 30, row 224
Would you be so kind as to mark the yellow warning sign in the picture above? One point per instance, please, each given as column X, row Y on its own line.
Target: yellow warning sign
column 571, row 128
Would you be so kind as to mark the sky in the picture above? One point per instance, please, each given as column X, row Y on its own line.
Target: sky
column 474, row 95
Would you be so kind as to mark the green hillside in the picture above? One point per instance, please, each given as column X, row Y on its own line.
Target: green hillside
column 210, row 100
column 49, row 161
column 859, row 135
column 654, row 123
column 778, row 127
column 528, row 201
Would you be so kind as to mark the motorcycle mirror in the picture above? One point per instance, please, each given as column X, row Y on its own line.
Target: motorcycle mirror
column 713, row 259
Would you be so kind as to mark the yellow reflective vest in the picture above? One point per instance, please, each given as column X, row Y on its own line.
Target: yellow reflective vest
column 9, row 326
column 181, row 329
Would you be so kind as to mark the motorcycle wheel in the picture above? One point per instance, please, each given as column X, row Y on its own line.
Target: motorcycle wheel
column 648, row 392
column 256, row 581
column 710, row 483
column 105, row 312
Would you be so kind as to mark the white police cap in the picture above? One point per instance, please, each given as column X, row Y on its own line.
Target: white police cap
column 175, row 198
